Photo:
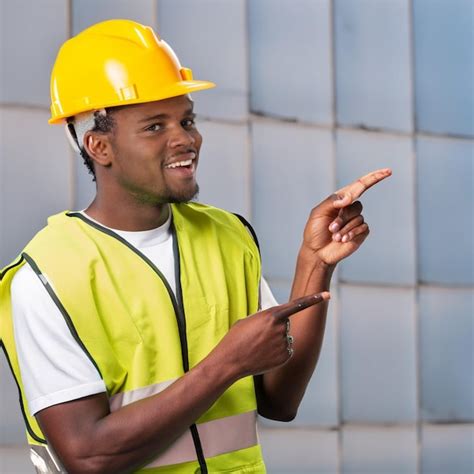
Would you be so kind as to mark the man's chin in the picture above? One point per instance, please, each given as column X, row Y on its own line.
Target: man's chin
column 183, row 196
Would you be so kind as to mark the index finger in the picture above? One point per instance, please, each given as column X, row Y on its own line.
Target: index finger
column 350, row 193
column 283, row 311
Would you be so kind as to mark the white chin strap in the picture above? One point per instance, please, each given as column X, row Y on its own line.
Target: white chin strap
column 82, row 123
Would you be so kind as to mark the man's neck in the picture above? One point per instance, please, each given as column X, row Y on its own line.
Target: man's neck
column 130, row 217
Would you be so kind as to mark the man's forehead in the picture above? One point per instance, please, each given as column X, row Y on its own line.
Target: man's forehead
column 178, row 104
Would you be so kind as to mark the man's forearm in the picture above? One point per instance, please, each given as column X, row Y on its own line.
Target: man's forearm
column 280, row 391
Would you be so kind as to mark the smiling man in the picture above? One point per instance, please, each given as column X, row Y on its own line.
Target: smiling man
column 139, row 330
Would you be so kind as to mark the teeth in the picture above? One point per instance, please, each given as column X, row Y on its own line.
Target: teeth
column 179, row 163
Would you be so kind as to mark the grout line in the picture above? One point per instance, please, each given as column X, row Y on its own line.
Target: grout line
column 26, row 107
column 337, row 309
column 155, row 22
column 333, row 45
column 394, row 286
column 377, row 285
column 250, row 175
column 70, row 24
column 417, row 319
column 249, row 155
column 255, row 117
column 262, row 117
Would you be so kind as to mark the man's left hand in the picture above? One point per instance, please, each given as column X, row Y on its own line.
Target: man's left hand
column 336, row 227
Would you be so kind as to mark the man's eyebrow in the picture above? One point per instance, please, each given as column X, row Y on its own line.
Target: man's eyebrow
column 187, row 113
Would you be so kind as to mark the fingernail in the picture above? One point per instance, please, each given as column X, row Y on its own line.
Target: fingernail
column 337, row 237
column 334, row 227
column 326, row 295
column 345, row 238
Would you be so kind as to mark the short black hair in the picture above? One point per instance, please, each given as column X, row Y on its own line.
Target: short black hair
column 103, row 123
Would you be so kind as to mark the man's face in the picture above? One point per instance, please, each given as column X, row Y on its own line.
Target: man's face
column 156, row 150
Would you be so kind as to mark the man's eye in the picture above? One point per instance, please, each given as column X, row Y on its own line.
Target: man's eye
column 154, row 128
column 188, row 123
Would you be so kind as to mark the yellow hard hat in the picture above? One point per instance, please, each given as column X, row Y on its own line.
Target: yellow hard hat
column 116, row 62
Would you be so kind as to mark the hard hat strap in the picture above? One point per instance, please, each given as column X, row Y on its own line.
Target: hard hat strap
column 72, row 137
column 77, row 127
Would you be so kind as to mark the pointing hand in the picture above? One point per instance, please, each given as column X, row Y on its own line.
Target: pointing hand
column 336, row 227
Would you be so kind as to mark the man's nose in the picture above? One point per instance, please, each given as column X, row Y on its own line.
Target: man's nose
column 180, row 137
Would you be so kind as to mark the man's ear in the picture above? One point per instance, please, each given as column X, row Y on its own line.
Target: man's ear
column 98, row 147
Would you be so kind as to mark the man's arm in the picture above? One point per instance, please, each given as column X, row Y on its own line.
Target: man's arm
column 87, row 437
column 335, row 230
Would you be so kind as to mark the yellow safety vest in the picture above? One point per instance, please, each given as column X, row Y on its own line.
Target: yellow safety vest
column 139, row 335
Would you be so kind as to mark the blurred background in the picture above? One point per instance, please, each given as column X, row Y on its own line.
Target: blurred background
column 311, row 94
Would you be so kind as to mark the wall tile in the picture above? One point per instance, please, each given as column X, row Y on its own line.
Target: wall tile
column 447, row 374
column 379, row 450
column 445, row 210
column 292, row 172
column 373, row 79
column 87, row 12
column 2, row 47
column 447, row 449
column 223, row 172
column 212, row 40
column 12, row 428
column 36, row 175
column 31, row 34
column 299, row 451
column 444, row 66
column 378, row 357
column 291, row 74
column 388, row 255
column 15, row 460
column 320, row 405
column 281, row 289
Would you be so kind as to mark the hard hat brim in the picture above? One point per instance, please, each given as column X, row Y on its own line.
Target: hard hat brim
column 175, row 90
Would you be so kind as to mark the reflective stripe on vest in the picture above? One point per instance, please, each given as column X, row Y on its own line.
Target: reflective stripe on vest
column 219, row 436
column 45, row 460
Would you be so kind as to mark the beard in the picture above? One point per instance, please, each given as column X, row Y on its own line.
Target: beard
column 182, row 196
column 166, row 196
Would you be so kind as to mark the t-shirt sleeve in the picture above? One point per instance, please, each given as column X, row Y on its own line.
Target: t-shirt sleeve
column 267, row 300
column 53, row 367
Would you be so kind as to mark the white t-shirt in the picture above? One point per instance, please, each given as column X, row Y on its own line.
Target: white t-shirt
column 54, row 368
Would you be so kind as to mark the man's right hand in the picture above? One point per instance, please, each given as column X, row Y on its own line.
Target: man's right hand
column 260, row 342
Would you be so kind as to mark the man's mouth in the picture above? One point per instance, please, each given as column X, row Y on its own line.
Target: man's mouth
column 191, row 156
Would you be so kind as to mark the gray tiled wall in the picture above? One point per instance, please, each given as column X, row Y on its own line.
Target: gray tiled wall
column 311, row 94
column 444, row 67
column 291, row 68
column 373, row 74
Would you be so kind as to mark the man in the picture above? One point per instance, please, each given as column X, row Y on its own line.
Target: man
column 126, row 324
